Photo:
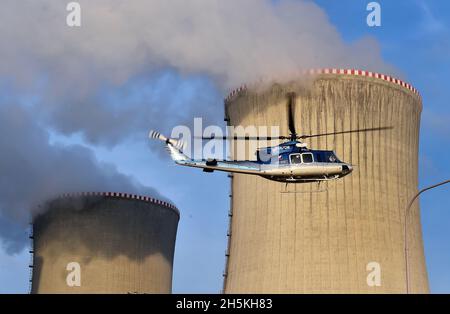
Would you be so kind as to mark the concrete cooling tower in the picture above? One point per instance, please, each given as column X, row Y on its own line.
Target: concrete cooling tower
column 104, row 243
column 339, row 236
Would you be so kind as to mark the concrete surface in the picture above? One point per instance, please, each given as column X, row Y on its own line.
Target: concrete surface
column 122, row 245
column 316, row 241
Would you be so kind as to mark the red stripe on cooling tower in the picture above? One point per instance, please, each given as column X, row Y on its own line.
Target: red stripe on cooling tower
column 340, row 72
column 121, row 195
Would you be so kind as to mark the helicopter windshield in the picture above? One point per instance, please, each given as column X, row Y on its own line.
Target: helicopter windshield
column 325, row 156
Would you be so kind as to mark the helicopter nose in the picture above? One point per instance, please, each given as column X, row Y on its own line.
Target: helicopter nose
column 346, row 168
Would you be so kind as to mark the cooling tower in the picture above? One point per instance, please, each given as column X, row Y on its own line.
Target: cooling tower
column 339, row 236
column 104, row 243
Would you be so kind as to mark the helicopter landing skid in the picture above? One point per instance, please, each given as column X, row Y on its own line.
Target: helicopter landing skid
column 319, row 190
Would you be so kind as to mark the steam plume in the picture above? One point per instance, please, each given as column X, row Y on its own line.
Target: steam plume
column 125, row 69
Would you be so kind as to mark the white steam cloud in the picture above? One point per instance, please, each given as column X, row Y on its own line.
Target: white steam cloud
column 231, row 42
column 99, row 80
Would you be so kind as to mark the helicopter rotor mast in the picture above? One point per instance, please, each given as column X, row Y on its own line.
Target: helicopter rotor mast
column 290, row 114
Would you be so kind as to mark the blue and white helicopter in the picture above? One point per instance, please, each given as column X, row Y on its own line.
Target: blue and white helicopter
column 289, row 162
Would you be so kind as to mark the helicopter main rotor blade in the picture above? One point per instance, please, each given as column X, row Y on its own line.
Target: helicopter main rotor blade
column 291, row 112
column 244, row 138
column 346, row 132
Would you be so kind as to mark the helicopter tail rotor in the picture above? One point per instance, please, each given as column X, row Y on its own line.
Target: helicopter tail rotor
column 157, row 135
column 169, row 141
column 174, row 147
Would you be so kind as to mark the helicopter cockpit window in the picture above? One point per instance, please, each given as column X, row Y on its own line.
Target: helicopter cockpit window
column 307, row 158
column 296, row 159
column 332, row 157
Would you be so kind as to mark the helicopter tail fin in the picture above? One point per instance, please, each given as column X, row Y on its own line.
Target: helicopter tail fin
column 176, row 154
column 173, row 146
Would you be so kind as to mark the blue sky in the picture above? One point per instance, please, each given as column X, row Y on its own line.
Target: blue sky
column 414, row 37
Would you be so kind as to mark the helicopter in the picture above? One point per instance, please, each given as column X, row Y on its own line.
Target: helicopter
column 289, row 162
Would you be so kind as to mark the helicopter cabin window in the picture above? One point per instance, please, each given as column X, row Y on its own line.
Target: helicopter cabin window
column 295, row 159
column 307, row 158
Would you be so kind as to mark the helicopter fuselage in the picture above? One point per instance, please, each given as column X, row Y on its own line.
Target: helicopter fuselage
column 289, row 162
